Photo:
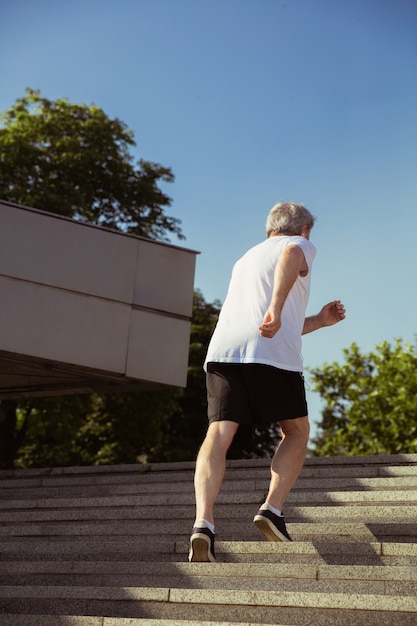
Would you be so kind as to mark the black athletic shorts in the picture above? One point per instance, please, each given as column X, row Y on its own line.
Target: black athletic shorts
column 253, row 394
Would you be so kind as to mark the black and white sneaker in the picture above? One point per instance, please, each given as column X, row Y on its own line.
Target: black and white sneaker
column 202, row 545
column 271, row 525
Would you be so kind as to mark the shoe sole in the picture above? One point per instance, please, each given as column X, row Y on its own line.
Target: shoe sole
column 200, row 550
column 268, row 529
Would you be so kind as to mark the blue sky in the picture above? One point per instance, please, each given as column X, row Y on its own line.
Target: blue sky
column 251, row 102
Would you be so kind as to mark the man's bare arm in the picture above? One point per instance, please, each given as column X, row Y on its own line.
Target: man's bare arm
column 330, row 314
column 291, row 263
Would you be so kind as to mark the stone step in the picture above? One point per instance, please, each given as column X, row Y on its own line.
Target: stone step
column 321, row 551
column 400, row 461
column 273, row 607
column 311, row 486
column 337, row 467
column 77, row 620
column 164, row 551
column 226, row 529
column 395, row 580
column 81, row 543
column 375, row 587
column 244, row 512
column 225, row 497
column 225, row 509
column 335, row 533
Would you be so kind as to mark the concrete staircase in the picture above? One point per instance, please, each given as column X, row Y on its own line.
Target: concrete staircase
column 107, row 546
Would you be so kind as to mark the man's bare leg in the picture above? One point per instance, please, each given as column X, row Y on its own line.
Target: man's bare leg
column 288, row 460
column 285, row 468
column 211, row 467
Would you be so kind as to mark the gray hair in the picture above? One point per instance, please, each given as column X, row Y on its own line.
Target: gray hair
column 288, row 218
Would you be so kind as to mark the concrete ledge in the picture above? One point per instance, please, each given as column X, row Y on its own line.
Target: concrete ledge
column 239, row 492
column 216, row 570
column 118, row 485
column 53, row 620
column 136, row 594
column 370, row 602
column 75, row 620
column 299, row 599
column 88, row 308
column 398, row 464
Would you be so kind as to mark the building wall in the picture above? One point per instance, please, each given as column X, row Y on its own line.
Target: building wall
column 113, row 307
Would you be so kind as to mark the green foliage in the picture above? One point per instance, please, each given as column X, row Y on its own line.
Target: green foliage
column 73, row 160
column 51, row 427
column 129, row 426
column 93, row 429
column 370, row 402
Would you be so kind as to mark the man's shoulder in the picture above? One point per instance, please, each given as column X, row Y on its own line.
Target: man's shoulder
column 303, row 243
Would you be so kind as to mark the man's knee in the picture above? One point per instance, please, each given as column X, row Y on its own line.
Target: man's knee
column 298, row 427
column 222, row 433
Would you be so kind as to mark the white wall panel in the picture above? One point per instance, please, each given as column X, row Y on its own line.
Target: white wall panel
column 63, row 326
column 163, row 278
column 158, row 348
column 64, row 253
column 75, row 295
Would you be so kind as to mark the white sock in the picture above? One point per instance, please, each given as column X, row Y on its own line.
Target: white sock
column 273, row 509
column 209, row 525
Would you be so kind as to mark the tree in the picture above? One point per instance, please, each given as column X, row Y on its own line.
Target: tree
column 370, row 402
column 93, row 429
column 74, row 160
column 47, row 429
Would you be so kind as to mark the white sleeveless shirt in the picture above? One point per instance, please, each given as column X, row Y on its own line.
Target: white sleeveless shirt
column 236, row 338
